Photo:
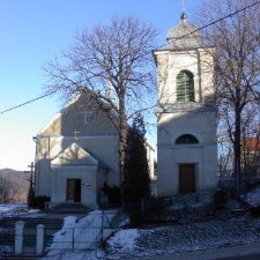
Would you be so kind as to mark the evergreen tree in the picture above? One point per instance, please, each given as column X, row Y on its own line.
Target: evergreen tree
column 137, row 181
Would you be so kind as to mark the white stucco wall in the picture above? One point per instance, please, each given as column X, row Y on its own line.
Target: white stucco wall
column 103, row 147
column 170, row 63
column 175, row 119
column 88, row 176
column 95, row 134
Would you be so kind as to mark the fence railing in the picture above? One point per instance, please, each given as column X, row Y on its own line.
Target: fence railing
column 86, row 233
column 89, row 232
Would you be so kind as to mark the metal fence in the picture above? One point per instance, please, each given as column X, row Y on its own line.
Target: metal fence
column 89, row 232
column 74, row 238
column 172, row 209
column 7, row 239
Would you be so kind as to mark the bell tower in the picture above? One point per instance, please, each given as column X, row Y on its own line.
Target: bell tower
column 186, row 116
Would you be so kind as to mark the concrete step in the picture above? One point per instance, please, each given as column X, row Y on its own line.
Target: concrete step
column 70, row 208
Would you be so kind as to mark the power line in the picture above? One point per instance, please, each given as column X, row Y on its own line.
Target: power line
column 177, row 38
column 211, row 23
column 27, row 102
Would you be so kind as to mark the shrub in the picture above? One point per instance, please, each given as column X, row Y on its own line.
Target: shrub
column 39, row 202
column 113, row 194
column 222, row 196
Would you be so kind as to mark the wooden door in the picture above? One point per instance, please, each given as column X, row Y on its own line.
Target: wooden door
column 187, row 178
column 74, row 190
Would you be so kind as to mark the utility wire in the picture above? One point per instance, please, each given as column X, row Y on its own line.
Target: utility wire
column 214, row 22
column 27, row 102
column 177, row 38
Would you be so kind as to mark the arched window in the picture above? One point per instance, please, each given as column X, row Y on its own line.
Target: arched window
column 185, row 86
column 187, row 139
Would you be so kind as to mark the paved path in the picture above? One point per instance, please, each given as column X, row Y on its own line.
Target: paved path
column 242, row 252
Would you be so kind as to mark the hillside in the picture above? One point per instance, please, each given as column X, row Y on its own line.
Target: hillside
column 14, row 186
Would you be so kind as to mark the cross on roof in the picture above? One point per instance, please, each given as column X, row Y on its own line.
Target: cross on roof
column 32, row 170
column 183, row 4
column 76, row 135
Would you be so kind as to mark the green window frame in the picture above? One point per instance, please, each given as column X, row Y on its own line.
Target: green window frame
column 185, row 87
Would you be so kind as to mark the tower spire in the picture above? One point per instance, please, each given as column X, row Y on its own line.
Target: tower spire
column 184, row 17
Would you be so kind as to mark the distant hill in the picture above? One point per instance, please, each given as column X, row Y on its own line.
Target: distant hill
column 17, row 185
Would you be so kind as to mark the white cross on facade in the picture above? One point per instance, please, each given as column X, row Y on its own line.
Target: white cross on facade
column 76, row 135
column 87, row 116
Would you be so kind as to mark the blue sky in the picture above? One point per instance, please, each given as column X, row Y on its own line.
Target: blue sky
column 34, row 31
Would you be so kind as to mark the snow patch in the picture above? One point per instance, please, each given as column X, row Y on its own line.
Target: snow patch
column 6, row 250
column 7, row 210
column 33, row 211
column 78, row 255
column 253, row 197
column 82, row 233
column 124, row 240
column 183, row 238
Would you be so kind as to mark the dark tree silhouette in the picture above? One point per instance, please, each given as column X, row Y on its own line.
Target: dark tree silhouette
column 137, row 181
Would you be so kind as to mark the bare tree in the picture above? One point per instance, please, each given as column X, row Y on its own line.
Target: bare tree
column 7, row 191
column 115, row 56
column 250, row 144
column 237, row 64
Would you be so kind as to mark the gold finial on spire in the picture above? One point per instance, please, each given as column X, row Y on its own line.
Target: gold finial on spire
column 184, row 17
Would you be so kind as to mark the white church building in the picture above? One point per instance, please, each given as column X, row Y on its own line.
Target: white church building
column 77, row 152
column 186, row 118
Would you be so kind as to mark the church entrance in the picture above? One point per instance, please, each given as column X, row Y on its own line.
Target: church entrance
column 73, row 190
column 187, row 178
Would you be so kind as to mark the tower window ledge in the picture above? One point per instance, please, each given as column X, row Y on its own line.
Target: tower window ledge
column 171, row 107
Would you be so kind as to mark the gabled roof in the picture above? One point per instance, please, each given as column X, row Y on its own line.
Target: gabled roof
column 74, row 155
column 59, row 114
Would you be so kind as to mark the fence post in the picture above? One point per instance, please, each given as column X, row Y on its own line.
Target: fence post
column 142, row 211
column 19, row 227
column 102, row 226
column 73, row 240
column 39, row 239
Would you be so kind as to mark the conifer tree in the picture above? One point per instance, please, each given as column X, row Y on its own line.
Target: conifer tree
column 137, row 181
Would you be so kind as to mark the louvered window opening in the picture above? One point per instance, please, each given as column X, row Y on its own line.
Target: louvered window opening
column 185, row 87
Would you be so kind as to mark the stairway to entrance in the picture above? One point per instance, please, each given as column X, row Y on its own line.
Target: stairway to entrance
column 70, row 208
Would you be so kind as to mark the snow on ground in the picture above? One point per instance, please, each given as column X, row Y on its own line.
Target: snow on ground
column 12, row 209
column 183, row 238
column 197, row 200
column 124, row 240
column 80, row 234
column 76, row 255
column 83, row 233
column 253, row 197
column 8, row 207
column 33, row 211
column 16, row 210
column 6, row 250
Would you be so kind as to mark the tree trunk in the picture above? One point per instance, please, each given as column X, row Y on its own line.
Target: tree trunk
column 237, row 147
column 122, row 142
